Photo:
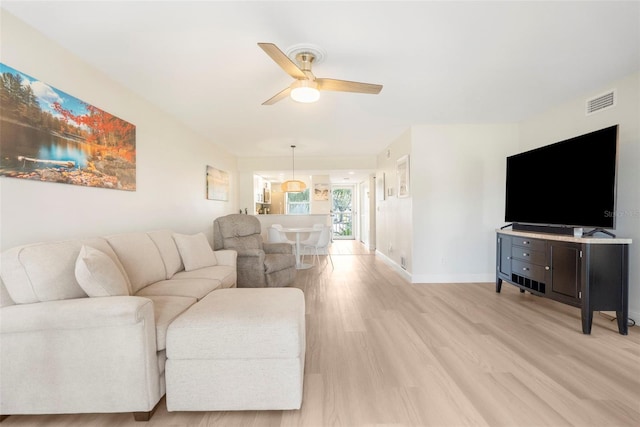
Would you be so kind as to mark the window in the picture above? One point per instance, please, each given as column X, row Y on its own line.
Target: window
column 298, row 203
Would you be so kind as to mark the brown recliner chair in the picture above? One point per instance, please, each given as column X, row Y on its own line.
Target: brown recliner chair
column 259, row 264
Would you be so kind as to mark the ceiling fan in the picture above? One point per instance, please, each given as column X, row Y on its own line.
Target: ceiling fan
column 306, row 87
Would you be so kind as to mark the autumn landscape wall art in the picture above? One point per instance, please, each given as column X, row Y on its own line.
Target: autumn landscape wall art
column 48, row 135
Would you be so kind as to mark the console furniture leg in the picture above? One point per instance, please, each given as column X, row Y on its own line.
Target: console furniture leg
column 587, row 320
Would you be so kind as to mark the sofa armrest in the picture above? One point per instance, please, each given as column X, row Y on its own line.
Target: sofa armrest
column 85, row 355
column 227, row 257
column 80, row 313
column 277, row 248
column 258, row 253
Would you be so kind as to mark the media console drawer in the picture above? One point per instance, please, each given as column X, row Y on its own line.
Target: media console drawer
column 528, row 255
column 527, row 269
column 533, row 244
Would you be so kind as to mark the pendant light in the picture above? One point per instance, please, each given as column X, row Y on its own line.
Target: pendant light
column 293, row 186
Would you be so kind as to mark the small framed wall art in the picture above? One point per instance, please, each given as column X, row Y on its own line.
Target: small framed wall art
column 380, row 190
column 320, row 191
column 402, row 168
column 217, row 184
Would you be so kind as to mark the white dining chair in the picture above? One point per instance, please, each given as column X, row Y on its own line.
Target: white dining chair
column 276, row 235
column 321, row 244
column 273, row 235
column 283, row 235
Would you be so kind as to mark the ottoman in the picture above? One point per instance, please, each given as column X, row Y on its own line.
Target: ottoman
column 238, row 349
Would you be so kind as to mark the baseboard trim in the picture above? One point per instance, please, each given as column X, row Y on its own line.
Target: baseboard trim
column 391, row 263
column 454, row 278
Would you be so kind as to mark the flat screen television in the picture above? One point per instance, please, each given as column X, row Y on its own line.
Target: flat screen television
column 571, row 183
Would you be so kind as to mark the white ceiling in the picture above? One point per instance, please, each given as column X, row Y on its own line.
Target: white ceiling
column 439, row 62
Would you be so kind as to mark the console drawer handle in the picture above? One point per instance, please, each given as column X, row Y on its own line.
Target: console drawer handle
column 525, row 254
column 526, row 242
column 525, row 268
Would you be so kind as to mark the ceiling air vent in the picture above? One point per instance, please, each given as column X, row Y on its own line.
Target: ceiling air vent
column 601, row 102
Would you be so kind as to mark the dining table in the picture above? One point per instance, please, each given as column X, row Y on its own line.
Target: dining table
column 298, row 231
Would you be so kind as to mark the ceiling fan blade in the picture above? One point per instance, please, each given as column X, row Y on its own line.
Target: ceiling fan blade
column 347, row 86
column 283, row 60
column 278, row 97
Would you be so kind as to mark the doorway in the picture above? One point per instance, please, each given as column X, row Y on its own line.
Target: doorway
column 343, row 212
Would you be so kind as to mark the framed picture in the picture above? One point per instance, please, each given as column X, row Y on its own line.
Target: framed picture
column 320, row 191
column 402, row 169
column 217, row 184
column 380, row 191
column 49, row 135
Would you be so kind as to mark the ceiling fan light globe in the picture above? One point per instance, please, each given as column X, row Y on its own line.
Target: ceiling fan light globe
column 305, row 91
column 305, row 94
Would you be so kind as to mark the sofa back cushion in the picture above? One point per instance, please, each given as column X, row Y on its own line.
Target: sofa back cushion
column 140, row 257
column 168, row 250
column 46, row 271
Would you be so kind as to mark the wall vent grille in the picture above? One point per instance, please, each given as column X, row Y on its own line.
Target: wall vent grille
column 601, row 102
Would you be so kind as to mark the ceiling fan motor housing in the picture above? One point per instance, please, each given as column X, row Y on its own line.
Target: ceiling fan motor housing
column 305, row 59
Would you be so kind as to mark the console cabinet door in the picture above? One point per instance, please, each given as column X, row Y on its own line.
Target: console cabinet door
column 564, row 271
column 503, row 257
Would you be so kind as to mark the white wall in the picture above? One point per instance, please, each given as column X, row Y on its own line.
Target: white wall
column 446, row 228
column 394, row 230
column 171, row 161
column 458, row 187
column 569, row 120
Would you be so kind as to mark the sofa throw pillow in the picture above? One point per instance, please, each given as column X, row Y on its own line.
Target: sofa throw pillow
column 98, row 275
column 195, row 251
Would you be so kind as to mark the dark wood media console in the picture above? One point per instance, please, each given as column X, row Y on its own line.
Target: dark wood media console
column 589, row 273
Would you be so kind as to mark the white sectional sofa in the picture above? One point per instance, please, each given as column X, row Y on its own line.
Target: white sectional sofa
column 83, row 323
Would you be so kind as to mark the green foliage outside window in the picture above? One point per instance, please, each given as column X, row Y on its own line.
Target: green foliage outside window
column 342, row 199
column 342, row 219
column 298, row 203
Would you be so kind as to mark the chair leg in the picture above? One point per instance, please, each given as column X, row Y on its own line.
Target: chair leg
column 330, row 259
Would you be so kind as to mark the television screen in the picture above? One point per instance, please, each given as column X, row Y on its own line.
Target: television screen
column 570, row 183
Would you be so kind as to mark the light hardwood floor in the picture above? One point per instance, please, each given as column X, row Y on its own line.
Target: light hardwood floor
column 381, row 351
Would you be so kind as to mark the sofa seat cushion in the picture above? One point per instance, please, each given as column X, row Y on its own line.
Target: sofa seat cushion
column 192, row 288
column 165, row 310
column 277, row 262
column 224, row 273
column 241, row 324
